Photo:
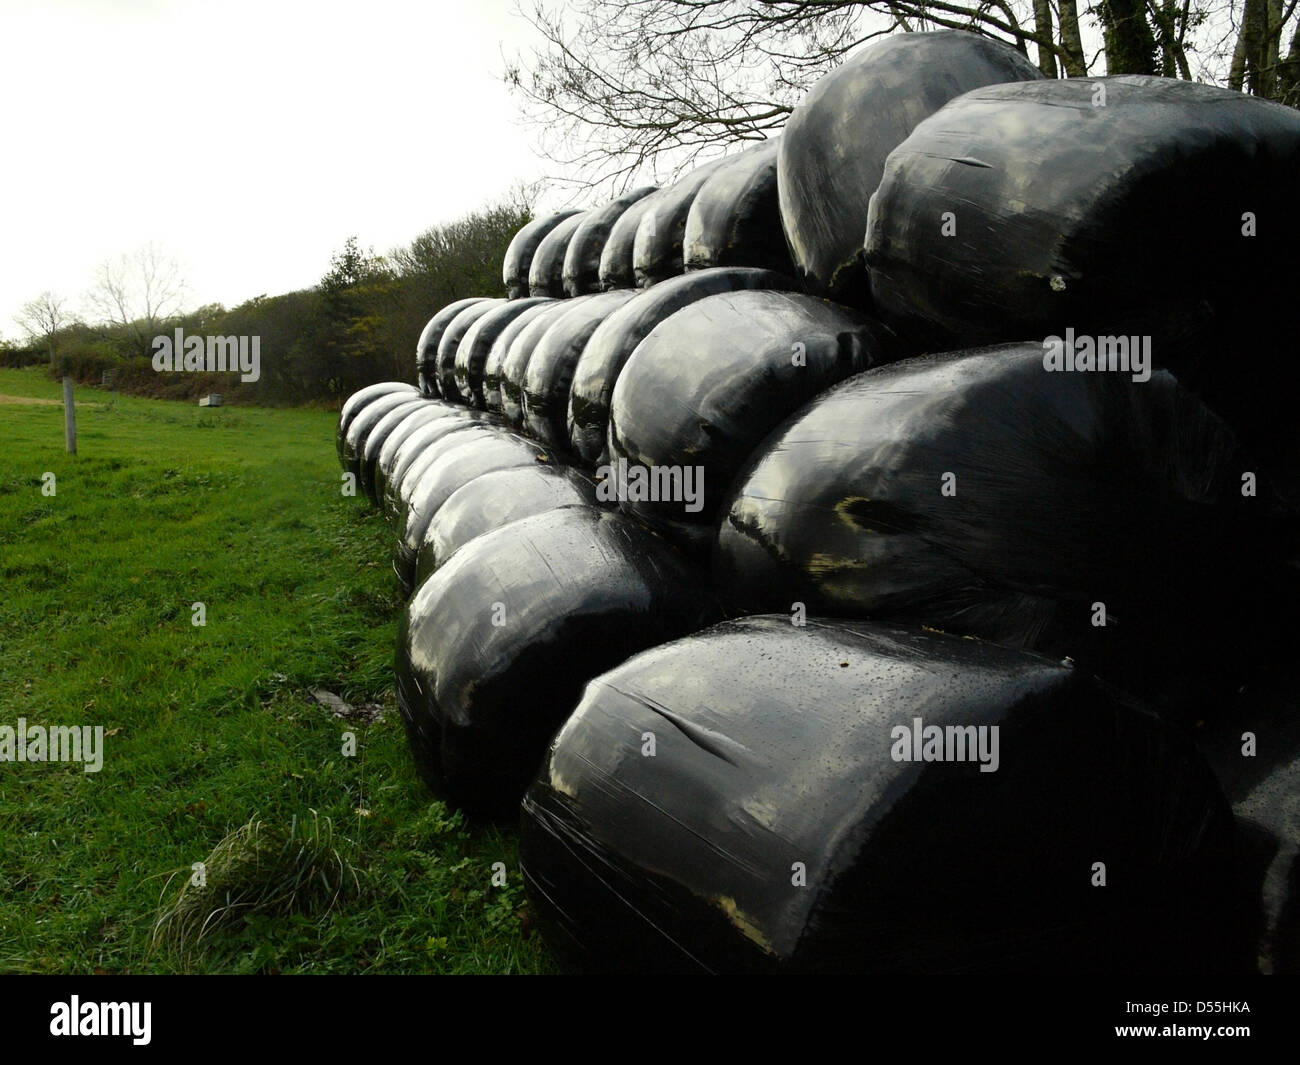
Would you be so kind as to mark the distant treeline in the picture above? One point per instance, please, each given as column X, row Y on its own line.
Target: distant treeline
column 358, row 325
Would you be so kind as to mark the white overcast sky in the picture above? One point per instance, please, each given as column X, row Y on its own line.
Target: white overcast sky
column 249, row 138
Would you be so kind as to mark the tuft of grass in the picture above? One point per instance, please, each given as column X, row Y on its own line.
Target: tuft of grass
column 259, row 869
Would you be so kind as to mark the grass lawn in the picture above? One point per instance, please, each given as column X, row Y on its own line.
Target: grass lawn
column 209, row 729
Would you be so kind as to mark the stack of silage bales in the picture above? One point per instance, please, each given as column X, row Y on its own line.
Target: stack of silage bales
column 861, row 543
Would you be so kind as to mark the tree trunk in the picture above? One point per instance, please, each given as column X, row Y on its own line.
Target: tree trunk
column 1071, row 41
column 1288, row 73
column 1252, row 39
column 1043, row 27
column 1271, row 49
column 1130, row 42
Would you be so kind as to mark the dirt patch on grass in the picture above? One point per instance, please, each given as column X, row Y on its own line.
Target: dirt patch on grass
column 30, row 401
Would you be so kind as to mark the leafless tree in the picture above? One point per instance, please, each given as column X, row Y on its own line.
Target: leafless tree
column 137, row 292
column 624, row 90
column 42, row 318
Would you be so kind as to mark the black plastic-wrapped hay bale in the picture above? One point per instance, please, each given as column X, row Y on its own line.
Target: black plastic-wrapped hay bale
column 414, row 454
column 1081, row 514
column 735, row 218
column 833, row 148
column 445, row 366
column 523, row 246
column 548, row 371
column 514, row 367
column 475, row 346
column 616, row 266
column 496, row 358
column 495, row 646
column 376, row 438
column 357, row 401
column 657, row 248
column 391, row 451
column 707, row 384
column 447, row 465
column 546, row 274
column 618, row 335
column 582, row 257
column 426, row 348
column 1163, row 209
column 763, row 797
column 1254, row 750
column 494, row 500
column 369, row 416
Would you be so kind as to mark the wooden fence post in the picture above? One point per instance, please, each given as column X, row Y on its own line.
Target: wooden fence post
column 69, row 418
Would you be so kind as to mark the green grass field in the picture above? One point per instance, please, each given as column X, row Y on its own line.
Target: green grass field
column 210, row 728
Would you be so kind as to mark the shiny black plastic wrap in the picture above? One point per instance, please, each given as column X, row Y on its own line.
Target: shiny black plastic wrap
column 514, row 367
column 519, row 255
column 416, row 452
column 582, row 258
column 735, row 218
column 391, row 451
column 358, row 400
column 426, row 349
column 476, row 345
column 494, row 500
column 703, row 389
column 368, row 456
column 548, row 372
column 445, row 367
column 616, row 266
column 618, row 335
column 1165, row 210
column 546, row 275
column 446, row 465
column 496, row 358
column 1081, row 514
column 657, row 248
column 762, row 797
column 366, row 418
column 833, row 149
column 495, row 646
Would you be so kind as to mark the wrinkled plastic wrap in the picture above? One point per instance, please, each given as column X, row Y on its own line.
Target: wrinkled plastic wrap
column 501, row 348
column 616, row 266
column 546, row 274
column 358, row 400
column 457, row 460
column 1127, row 218
column 1082, row 514
column 391, row 450
column 548, row 372
column 496, row 645
column 414, row 454
column 704, row 388
column 514, row 366
column 735, row 218
column 1070, row 214
column 519, row 255
column 759, row 798
column 475, row 346
column 582, row 258
column 657, row 248
column 365, row 419
column 1254, row 749
column 833, row 148
column 494, row 500
column 450, row 344
column 618, row 335
column 368, row 458
column 426, row 349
